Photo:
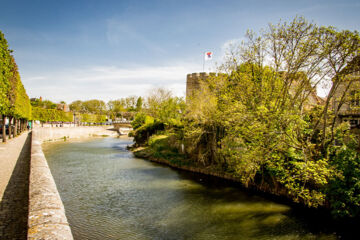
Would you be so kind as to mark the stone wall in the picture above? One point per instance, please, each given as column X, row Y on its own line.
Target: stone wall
column 193, row 82
column 56, row 133
column 350, row 109
column 46, row 219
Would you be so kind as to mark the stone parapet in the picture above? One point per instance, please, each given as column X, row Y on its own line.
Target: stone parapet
column 57, row 133
column 46, row 218
column 195, row 80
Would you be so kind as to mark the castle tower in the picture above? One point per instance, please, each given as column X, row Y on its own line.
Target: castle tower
column 194, row 81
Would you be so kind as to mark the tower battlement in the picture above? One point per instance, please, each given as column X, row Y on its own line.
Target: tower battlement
column 194, row 81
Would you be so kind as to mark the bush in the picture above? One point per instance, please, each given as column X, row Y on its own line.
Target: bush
column 344, row 189
column 142, row 134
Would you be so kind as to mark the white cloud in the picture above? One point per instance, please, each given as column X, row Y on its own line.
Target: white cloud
column 230, row 45
column 117, row 31
column 104, row 82
column 35, row 78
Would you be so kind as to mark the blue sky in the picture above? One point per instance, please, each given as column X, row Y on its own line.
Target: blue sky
column 85, row 49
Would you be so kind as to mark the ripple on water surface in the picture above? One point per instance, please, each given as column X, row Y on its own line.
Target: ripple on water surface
column 109, row 194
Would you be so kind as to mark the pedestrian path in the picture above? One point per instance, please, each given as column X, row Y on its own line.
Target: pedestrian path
column 14, row 186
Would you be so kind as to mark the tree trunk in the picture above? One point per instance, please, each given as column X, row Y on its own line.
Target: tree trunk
column 3, row 128
column 15, row 127
column 10, row 126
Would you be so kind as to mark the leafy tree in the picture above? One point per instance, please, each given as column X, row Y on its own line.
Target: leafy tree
column 47, row 104
column 5, row 66
column 51, row 115
column 92, row 118
column 161, row 112
column 116, row 108
column 161, row 105
column 94, row 106
column 76, row 106
column 344, row 188
column 139, row 104
column 258, row 123
column 14, row 102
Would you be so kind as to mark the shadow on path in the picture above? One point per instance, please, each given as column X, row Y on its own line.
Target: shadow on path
column 14, row 206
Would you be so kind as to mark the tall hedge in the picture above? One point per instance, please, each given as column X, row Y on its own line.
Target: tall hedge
column 5, row 60
column 92, row 118
column 14, row 101
column 51, row 115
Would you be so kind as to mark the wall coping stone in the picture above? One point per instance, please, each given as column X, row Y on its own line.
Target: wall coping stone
column 46, row 219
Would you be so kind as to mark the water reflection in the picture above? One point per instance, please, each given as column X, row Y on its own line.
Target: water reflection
column 109, row 194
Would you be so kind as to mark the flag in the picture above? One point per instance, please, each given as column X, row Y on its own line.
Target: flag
column 208, row 56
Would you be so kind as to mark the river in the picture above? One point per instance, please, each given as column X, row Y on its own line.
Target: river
column 110, row 194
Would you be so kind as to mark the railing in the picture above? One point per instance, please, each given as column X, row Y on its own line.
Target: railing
column 124, row 122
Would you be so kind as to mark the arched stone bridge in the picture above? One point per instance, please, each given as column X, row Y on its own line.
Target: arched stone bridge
column 123, row 127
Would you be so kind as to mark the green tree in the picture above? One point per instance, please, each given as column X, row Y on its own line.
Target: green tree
column 116, row 108
column 76, row 106
column 161, row 105
column 139, row 104
column 47, row 104
column 94, row 106
column 258, row 122
column 5, row 72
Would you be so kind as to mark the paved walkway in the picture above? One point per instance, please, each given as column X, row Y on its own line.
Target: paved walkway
column 14, row 187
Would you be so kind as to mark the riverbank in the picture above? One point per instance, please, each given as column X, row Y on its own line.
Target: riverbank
column 180, row 162
column 347, row 228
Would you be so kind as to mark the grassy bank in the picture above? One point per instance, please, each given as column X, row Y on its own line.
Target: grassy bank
column 161, row 149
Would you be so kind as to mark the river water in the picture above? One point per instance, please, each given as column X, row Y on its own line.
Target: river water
column 110, row 194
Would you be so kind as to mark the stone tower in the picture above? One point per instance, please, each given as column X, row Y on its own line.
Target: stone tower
column 194, row 81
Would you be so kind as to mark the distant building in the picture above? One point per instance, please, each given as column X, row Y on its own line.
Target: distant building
column 349, row 92
column 36, row 99
column 63, row 107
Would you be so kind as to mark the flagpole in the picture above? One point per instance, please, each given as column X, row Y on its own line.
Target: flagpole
column 203, row 62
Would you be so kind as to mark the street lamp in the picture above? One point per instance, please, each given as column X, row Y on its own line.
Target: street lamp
column 74, row 119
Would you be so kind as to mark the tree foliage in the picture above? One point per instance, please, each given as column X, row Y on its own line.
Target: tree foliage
column 47, row 104
column 51, row 115
column 124, row 107
column 274, row 134
column 92, row 118
column 5, row 68
column 14, row 101
column 160, row 111
column 161, row 105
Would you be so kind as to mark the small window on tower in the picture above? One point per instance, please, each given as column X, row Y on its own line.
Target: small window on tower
column 355, row 98
column 353, row 122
